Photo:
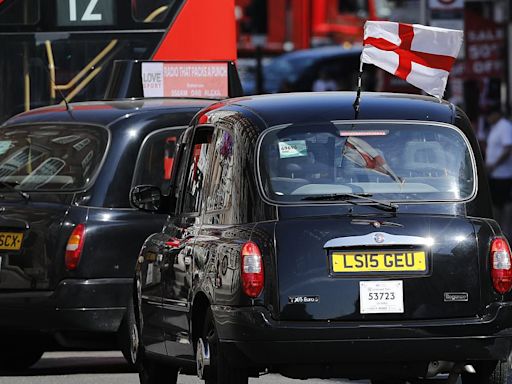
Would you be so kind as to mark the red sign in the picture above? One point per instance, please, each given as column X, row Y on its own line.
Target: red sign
column 485, row 41
column 197, row 80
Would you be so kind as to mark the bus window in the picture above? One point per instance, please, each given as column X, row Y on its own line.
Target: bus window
column 19, row 12
column 356, row 7
column 150, row 10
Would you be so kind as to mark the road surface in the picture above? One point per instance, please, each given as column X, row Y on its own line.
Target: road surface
column 107, row 368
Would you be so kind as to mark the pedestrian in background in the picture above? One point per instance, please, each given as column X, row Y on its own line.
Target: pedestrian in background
column 499, row 164
column 324, row 82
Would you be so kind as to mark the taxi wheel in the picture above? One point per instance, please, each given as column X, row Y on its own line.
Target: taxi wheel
column 221, row 370
column 15, row 358
column 128, row 335
column 489, row 372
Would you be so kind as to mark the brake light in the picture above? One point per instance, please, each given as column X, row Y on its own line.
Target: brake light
column 501, row 265
column 253, row 276
column 74, row 247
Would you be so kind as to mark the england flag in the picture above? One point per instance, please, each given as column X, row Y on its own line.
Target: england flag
column 421, row 55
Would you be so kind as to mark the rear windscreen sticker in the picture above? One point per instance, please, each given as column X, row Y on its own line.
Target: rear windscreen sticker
column 294, row 148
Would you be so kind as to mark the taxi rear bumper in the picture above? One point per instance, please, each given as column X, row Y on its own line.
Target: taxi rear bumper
column 261, row 341
column 76, row 309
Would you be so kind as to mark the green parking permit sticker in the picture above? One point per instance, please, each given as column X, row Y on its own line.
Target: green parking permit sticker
column 294, row 148
column 4, row 146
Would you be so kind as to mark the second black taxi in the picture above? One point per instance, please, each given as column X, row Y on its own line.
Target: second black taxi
column 68, row 235
column 305, row 242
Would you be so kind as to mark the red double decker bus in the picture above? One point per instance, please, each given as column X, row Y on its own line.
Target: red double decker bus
column 284, row 25
column 55, row 49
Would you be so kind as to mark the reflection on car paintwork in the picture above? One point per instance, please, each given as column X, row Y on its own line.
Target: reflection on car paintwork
column 40, row 157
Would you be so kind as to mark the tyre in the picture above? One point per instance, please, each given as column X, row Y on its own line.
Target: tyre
column 489, row 372
column 18, row 356
column 128, row 335
column 220, row 370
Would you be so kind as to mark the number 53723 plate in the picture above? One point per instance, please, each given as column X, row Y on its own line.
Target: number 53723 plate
column 381, row 296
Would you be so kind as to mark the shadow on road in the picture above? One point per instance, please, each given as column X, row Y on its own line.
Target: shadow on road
column 72, row 365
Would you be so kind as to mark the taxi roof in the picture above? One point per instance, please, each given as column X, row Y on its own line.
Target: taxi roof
column 107, row 112
column 327, row 106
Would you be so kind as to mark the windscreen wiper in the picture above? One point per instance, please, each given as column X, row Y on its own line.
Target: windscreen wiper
column 355, row 199
column 11, row 186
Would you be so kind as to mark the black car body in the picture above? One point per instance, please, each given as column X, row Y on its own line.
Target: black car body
column 308, row 243
column 69, row 234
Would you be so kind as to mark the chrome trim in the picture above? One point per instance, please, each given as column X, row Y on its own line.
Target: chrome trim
column 178, row 308
column 151, row 300
column 175, row 305
column 372, row 239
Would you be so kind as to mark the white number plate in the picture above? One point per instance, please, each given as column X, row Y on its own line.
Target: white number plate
column 381, row 296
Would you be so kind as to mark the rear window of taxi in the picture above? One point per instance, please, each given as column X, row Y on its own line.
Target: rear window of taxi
column 51, row 157
column 398, row 161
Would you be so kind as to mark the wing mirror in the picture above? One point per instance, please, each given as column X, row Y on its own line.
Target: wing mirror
column 146, row 197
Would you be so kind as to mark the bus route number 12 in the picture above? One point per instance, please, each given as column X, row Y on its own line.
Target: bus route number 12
column 88, row 14
column 85, row 12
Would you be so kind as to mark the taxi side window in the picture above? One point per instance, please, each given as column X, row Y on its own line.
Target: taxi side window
column 156, row 159
column 196, row 171
column 221, row 171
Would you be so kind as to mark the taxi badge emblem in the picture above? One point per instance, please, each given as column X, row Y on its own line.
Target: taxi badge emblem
column 379, row 238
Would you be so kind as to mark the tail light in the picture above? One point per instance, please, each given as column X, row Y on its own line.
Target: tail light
column 253, row 276
column 501, row 265
column 74, row 247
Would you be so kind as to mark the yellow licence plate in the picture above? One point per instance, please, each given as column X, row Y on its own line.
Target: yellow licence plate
column 392, row 261
column 10, row 241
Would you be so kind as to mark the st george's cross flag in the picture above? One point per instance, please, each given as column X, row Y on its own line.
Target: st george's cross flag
column 420, row 55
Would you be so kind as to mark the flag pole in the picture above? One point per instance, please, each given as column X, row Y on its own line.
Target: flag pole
column 356, row 104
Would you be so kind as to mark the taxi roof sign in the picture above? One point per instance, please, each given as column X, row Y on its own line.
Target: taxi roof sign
column 185, row 79
column 201, row 79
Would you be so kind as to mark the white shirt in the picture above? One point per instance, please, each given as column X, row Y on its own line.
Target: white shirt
column 500, row 136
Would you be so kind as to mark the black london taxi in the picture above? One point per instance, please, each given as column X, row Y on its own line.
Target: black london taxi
column 306, row 242
column 68, row 234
